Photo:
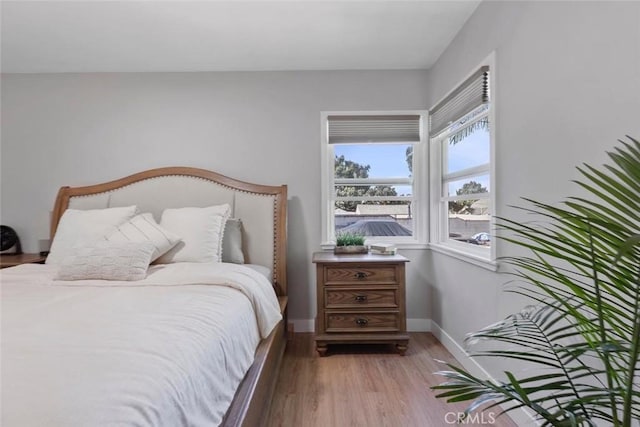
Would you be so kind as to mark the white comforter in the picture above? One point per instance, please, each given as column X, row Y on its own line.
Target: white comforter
column 166, row 351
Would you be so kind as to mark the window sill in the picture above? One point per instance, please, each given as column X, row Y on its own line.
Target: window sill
column 474, row 259
column 327, row 246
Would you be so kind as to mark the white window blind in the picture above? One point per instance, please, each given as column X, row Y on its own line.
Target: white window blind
column 465, row 98
column 371, row 128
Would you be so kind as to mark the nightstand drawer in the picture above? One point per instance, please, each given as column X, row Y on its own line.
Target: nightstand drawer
column 356, row 298
column 384, row 274
column 362, row 322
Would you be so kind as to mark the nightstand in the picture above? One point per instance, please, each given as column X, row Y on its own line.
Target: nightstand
column 11, row 260
column 361, row 299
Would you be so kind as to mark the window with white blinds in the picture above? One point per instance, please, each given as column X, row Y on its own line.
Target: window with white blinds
column 462, row 184
column 372, row 164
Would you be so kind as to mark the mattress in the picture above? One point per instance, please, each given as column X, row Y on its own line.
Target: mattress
column 169, row 350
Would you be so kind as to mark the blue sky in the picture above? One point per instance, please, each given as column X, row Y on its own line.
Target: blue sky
column 388, row 160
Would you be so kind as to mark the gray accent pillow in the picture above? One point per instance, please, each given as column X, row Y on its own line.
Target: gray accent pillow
column 232, row 242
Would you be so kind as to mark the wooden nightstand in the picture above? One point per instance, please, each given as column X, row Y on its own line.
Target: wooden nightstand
column 11, row 260
column 361, row 299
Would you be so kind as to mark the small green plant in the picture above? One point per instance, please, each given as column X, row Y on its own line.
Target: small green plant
column 349, row 239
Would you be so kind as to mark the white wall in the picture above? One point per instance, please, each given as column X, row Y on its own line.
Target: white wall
column 568, row 86
column 80, row 129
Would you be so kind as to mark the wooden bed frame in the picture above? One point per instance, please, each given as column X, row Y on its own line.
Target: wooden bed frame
column 252, row 400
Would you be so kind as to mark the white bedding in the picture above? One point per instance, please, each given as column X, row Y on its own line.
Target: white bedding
column 169, row 350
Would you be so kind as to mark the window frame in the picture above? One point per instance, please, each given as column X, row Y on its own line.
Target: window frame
column 420, row 200
column 439, row 211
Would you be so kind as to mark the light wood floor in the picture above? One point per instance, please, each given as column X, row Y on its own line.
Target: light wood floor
column 364, row 386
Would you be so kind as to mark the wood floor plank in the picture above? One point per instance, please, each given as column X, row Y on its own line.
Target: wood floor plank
column 365, row 385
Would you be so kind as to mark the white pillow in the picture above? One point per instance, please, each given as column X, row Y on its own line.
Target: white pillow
column 201, row 230
column 107, row 261
column 78, row 227
column 143, row 228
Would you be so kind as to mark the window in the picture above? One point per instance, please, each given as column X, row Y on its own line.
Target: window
column 462, row 184
column 373, row 166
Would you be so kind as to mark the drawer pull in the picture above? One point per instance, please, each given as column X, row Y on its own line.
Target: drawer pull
column 360, row 275
column 361, row 322
column 361, row 298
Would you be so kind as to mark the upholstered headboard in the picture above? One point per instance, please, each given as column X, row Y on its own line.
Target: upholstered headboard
column 262, row 208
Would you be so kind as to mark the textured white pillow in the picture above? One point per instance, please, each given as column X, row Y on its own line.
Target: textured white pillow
column 79, row 227
column 143, row 228
column 107, row 261
column 201, row 231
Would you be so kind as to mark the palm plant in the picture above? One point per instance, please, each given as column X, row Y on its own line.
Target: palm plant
column 582, row 331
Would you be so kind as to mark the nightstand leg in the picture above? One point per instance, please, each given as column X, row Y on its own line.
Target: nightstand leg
column 321, row 349
column 402, row 348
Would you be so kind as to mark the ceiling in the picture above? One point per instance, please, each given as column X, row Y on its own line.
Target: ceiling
column 140, row 36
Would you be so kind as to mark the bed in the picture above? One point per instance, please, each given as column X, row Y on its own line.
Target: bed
column 191, row 340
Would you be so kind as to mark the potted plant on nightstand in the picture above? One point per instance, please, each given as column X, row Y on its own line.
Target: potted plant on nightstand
column 350, row 243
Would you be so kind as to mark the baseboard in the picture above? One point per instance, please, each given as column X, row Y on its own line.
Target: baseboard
column 457, row 351
column 520, row 417
column 413, row 325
